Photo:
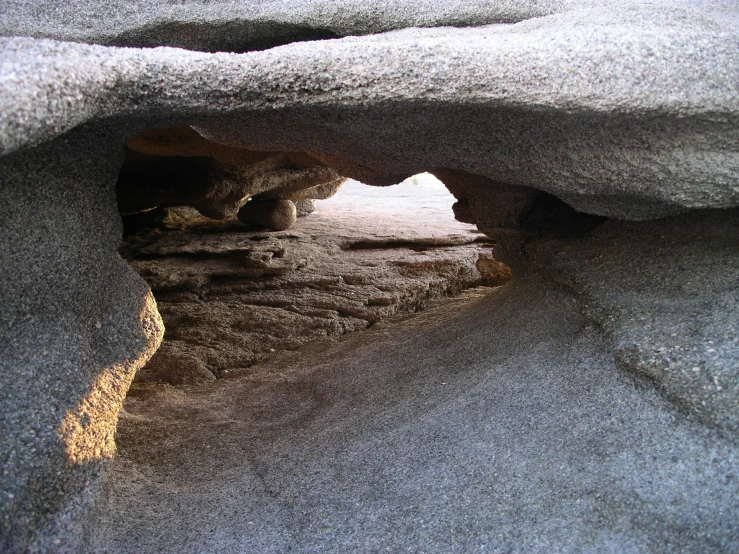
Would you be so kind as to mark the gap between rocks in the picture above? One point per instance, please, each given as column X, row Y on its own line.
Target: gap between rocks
column 231, row 296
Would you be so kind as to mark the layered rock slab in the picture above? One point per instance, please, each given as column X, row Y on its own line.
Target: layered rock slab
column 231, row 297
column 240, row 26
column 177, row 166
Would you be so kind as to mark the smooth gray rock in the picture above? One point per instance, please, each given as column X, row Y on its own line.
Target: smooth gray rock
column 502, row 421
column 496, row 423
column 666, row 293
column 75, row 325
column 626, row 112
column 232, row 25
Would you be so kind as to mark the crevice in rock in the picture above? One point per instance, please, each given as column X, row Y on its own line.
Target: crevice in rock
column 234, row 294
column 227, row 36
column 419, row 244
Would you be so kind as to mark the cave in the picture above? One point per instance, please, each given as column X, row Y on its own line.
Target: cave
column 369, row 277
column 237, row 277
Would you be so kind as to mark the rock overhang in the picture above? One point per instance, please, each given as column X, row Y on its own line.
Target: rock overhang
column 628, row 112
column 600, row 110
column 194, row 25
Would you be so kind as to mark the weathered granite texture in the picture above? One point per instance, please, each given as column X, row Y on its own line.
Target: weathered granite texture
column 503, row 420
column 621, row 111
column 75, row 325
column 626, row 111
column 236, row 26
column 666, row 294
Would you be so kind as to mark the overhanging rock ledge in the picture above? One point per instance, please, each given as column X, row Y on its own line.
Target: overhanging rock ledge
column 629, row 112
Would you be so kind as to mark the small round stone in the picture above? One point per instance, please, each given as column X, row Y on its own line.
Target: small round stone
column 276, row 215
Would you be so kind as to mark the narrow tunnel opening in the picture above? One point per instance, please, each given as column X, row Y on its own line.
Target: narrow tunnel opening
column 243, row 264
column 253, row 253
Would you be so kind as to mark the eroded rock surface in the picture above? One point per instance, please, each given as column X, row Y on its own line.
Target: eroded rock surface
column 496, row 423
column 230, row 297
column 305, row 207
column 624, row 111
column 237, row 26
column 177, row 166
column 530, row 110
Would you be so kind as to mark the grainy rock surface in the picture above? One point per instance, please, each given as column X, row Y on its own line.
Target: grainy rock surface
column 239, row 26
column 296, row 190
column 304, row 207
column 231, row 25
column 75, row 325
column 498, row 423
column 230, row 297
column 666, row 293
column 623, row 111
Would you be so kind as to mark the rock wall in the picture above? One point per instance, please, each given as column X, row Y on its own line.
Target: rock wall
column 77, row 322
column 625, row 111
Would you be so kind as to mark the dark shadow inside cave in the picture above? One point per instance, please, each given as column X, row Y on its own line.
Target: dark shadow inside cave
column 226, row 36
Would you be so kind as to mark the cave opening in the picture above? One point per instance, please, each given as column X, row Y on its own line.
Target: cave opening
column 340, row 372
column 374, row 348
column 253, row 253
